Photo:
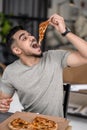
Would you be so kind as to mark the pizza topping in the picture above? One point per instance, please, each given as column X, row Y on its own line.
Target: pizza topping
column 38, row 123
column 19, row 123
column 43, row 123
column 42, row 28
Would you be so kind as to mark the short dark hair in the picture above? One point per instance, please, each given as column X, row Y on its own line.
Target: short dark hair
column 9, row 39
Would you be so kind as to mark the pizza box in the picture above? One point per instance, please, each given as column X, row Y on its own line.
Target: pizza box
column 28, row 116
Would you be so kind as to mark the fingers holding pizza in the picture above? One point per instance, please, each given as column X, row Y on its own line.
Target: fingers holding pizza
column 56, row 21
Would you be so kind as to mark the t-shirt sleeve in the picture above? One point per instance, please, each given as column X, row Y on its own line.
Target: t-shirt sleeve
column 64, row 58
column 5, row 85
column 60, row 57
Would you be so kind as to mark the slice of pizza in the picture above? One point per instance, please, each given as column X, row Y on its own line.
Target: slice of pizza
column 40, row 123
column 42, row 28
column 19, row 124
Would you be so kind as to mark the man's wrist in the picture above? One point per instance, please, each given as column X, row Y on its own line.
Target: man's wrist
column 66, row 31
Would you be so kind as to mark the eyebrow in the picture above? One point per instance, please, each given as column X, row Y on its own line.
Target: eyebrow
column 21, row 35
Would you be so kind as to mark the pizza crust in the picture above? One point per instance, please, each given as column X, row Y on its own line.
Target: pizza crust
column 19, row 124
column 44, row 124
column 38, row 123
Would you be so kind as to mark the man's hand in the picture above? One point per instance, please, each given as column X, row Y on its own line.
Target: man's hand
column 58, row 22
column 5, row 104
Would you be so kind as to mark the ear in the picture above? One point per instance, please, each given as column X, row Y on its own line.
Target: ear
column 16, row 50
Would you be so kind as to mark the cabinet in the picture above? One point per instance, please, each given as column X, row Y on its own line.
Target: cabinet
column 77, row 99
column 78, row 103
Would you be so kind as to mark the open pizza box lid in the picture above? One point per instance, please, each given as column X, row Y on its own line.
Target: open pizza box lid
column 27, row 116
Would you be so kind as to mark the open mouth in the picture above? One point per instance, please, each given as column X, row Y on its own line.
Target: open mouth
column 34, row 44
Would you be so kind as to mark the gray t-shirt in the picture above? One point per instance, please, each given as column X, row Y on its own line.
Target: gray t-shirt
column 40, row 87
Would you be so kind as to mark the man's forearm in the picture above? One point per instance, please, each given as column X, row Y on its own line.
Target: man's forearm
column 79, row 43
column 59, row 24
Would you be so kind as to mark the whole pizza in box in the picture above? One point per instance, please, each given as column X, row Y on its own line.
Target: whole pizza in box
column 38, row 123
column 33, row 121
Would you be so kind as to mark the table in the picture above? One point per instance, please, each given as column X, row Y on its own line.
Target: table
column 4, row 116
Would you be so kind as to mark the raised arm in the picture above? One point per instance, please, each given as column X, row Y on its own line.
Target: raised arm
column 78, row 57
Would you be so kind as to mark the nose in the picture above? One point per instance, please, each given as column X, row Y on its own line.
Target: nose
column 31, row 37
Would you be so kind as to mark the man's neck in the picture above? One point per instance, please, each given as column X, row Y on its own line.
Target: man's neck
column 30, row 61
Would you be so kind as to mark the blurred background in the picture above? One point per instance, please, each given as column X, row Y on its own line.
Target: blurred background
column 30, row 13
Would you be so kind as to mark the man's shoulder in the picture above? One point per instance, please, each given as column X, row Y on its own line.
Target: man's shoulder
column 12, row 65
column 58, row 51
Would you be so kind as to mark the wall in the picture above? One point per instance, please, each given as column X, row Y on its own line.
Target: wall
column 0, row 5
column 75, row 98
column 62, row 7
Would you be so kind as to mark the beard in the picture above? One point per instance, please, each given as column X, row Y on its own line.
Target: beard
column 38, row 56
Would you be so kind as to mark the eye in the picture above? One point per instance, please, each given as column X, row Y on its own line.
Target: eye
column 24, row 38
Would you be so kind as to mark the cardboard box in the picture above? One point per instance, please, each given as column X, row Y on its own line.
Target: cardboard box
column 75, row 75
column 62, row 122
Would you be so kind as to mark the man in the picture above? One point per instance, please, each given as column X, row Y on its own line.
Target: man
column 37, row 77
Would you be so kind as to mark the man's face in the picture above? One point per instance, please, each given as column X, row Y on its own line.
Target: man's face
column 26, row 43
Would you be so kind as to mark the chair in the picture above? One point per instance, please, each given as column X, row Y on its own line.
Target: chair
column 66, row 88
